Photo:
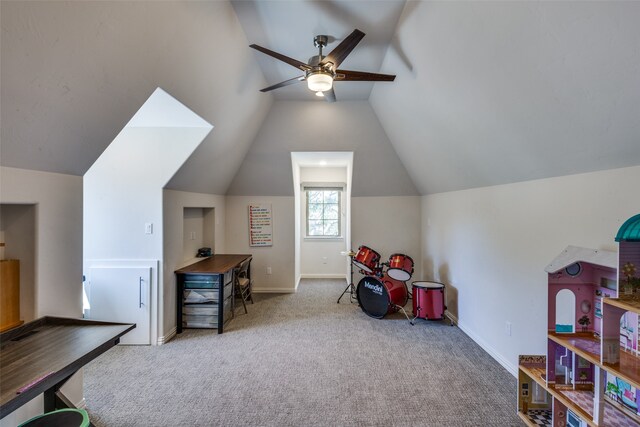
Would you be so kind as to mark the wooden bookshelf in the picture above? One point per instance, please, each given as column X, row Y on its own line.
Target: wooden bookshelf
column 9, row 294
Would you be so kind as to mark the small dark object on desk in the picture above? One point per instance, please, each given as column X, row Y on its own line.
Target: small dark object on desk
column 204, row 252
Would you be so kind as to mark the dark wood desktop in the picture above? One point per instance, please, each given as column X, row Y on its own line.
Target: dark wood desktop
column 40, row 356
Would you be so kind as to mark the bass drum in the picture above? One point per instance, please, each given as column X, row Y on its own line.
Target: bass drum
column 380, row 296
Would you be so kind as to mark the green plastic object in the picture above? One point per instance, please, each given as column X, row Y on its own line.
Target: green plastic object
column 68, row 417
column 630, row 230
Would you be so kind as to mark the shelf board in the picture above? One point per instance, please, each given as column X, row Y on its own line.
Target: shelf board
column 582, row 343
column 539, row 375
column 567, row 400
column 588, row 347
column 625, row 302
column 628, row 369
column 580, row 402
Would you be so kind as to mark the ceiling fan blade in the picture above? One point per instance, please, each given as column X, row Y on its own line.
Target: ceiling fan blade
column 300, row 65
column 282, row 84
column 363, row 76
column 330, row 95
column 345, row 47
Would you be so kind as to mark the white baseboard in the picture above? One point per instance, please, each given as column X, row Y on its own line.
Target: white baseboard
column 513, row 370
column 273, row 291
column 323, row 276
column 165, row 339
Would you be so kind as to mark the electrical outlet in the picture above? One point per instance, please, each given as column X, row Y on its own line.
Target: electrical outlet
column 507, row 328
column 193, row 235
column 268, row 270
column 324, row 259
column 148, row 228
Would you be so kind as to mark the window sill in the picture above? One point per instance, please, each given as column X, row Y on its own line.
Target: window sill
column 324, row 239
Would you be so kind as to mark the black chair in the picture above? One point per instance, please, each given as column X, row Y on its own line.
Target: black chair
column 243, row 283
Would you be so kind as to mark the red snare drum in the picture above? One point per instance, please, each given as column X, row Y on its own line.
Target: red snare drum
column 400, row 267
column 428, row 300
column 378, row 297
column 366, row 259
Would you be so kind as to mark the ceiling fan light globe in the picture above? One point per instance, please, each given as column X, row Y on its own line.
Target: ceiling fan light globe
column 319, row 82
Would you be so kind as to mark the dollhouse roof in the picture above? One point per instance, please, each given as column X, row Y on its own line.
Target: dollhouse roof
column 573, row 254
column 630, row 230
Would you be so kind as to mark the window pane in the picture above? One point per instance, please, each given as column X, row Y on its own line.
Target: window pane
column 315, row 211
column 314, row 196
column 315, row 228
column 331, row 228
column 331, row 211
column 331, row 196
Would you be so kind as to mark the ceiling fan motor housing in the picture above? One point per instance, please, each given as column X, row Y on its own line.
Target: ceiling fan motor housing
column 320, row 41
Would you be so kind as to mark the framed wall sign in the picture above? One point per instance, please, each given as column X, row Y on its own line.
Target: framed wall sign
column 260, row 225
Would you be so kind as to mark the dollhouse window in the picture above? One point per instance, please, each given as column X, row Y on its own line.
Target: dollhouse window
column 565, row 311
column 574, row 269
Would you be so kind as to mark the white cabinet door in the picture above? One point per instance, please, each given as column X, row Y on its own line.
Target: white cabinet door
column 121, row 294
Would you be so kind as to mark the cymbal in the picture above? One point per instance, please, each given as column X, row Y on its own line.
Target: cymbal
column 348, row 253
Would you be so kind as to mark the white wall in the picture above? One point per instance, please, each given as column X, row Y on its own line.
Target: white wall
column 387, row 225
column 123, row 189
column 174, row 203
column 490, row 246
column 321, row 257
column 57, row 256
column 301, row 126
column 280, row 256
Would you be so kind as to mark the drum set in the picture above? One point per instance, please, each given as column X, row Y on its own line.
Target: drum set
column 381, row 292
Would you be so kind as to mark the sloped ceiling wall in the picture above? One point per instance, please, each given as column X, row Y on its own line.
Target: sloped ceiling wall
column 74, row 73
column 320, row 126
column 486, row 93
column 496, row 92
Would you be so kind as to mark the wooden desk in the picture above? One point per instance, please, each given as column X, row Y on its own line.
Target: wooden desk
column 211, row 277
column 46, row 353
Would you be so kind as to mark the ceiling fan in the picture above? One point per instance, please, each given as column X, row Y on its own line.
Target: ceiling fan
column 321, row 71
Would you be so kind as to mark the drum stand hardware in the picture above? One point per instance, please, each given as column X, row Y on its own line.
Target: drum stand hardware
column 399, row 308
column 350, row 287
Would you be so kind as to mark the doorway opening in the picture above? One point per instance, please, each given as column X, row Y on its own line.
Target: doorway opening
column 322, row 190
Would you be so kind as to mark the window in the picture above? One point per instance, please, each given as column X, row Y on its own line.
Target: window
column 323, row 212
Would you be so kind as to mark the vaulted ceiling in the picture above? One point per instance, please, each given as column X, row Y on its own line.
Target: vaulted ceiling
column 486, row 92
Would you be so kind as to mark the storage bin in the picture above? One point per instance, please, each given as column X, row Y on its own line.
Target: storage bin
column 201, row 309
column 194, row 296
column 201, row 281
column 196, row 321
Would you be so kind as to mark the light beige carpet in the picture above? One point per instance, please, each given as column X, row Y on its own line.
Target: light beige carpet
column 303, row 360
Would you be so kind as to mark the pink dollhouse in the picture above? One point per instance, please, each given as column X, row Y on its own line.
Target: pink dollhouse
column 591, row 373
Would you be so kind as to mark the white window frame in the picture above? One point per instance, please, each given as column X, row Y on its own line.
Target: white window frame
column 323, row 187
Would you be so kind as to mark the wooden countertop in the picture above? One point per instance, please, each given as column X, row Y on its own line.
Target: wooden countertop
column 217, row 264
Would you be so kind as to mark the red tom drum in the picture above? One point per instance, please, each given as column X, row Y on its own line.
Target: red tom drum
column 366, row 259
column 400, row 267
column 380, row 296
column 428, row 300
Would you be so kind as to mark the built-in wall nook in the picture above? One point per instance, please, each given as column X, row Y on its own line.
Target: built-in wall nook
column 198, row 232
column 18, row 234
